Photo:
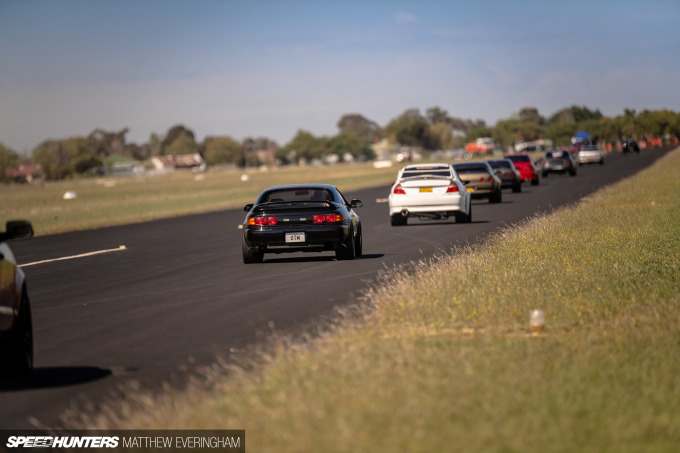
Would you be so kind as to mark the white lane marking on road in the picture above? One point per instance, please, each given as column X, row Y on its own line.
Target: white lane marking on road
column 82, row 255
column 382, row 200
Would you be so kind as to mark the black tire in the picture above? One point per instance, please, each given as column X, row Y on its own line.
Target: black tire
column 572, row 173
column 250, row 257
column 545, row 174
column 517, row 188
column 359, row 243
column 460, row 217
column 18, row 348
column 534, row 182
column 397, row 220
column 347, row 251
column 496, row 197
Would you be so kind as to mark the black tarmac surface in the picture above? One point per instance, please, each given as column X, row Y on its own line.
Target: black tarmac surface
column 178, row 295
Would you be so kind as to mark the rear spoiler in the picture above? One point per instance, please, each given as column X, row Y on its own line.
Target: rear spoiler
column 301, row 205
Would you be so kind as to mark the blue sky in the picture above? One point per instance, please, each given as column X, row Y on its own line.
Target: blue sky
column 270, row 68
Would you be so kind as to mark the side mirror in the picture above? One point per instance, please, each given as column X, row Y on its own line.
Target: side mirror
column 248, row 207
column 18, row 229
column 355, row 204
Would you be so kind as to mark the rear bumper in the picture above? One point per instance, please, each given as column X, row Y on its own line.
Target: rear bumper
column 316, row 236
column 455, row 203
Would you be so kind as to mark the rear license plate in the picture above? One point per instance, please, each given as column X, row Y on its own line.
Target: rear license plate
column 470, row 189
column 425, row 189
column 295, row 237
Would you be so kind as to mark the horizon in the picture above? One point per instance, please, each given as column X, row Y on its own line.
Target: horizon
column 270, row 69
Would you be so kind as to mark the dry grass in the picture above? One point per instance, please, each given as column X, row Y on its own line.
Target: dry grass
column 442, row 359
column 116, row 201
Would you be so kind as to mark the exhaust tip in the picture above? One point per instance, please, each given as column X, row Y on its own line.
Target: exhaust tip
column 404, row 213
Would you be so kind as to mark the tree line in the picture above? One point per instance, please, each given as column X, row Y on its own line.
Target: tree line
column 433, row 130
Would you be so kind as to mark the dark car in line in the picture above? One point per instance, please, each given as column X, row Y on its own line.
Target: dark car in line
column 558, row 161
column 480, row 179
column 508, row 174
column 525, row 167
column 301, row 218
column 16, row 327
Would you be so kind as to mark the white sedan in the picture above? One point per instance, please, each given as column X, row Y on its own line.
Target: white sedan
column 429, row 191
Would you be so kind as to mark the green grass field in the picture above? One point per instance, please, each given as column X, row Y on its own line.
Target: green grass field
column 443, row 359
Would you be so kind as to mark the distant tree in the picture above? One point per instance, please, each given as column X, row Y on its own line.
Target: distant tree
column 304, row 145
column 531, row 115
column 178, row 140
column 8, row 159
column 366, row 130
column 64, row 158
column 479, row 132
column 441, row 136
column 350, row 142
column 508, row 132
column 411, row 129
column 437, row 115
column 222, row 150
column 657, row 123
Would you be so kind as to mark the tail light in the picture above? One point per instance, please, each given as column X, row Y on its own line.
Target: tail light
column 326, row 218
column 262, row 221
column 398, row 190
column 452, row 188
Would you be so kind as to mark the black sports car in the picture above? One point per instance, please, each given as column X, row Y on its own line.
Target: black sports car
column 301, row 218
column 16, row 330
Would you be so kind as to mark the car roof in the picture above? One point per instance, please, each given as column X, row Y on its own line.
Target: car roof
column 301, row 186
column 479, row 163
column 426, row 166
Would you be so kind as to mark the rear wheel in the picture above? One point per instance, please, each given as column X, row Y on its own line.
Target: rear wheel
column 347, row 250
column 359, row 243
column 398, row 220
column 534, row 182
column 250, row 256
column 496, row 197
column 517, row 188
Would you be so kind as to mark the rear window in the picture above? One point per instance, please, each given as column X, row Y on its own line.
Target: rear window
column 427, row 172
column 500, row 164
column 297, row 195
column 464, row 169
column 519, row 158
column 555, row 154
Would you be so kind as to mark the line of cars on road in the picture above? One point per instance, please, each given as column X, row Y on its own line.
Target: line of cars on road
column 317, row 217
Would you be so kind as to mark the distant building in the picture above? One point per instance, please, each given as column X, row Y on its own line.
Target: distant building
column 181, row 161
column 25, row 174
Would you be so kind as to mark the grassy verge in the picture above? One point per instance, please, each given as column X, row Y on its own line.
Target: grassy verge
column 116, row 201
column 442, row 358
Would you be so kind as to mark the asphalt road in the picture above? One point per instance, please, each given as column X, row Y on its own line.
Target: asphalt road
column 177, row 295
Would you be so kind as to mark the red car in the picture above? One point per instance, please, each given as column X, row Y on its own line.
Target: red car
column 525, row 166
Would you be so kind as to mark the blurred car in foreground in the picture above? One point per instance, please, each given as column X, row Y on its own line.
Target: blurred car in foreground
column 480, row 180
column 508, row 174
column 16, row 328
column 301, row 218
column 429, row 191
column 525, row 167
column 558, row 161
column 590, row 154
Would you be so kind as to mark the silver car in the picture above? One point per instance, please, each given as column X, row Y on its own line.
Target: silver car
column 590, row 154
column 481, row 180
